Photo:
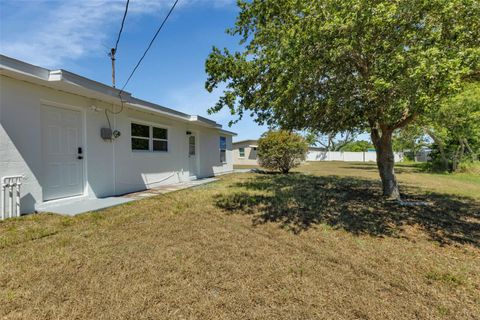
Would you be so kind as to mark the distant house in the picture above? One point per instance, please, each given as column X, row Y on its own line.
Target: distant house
column 244, row 152
column 70, row 137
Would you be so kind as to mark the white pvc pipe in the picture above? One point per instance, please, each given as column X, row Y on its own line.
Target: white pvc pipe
column 11, row 184
column 10, row 200
column 18, row 200
column 3, row 202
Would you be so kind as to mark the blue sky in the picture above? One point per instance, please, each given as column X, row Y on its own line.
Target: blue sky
column 77, row 35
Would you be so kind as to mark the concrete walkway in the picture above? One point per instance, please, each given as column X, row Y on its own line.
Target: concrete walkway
column 76, row 206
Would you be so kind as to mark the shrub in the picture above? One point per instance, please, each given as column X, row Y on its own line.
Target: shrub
column 472, row 167
column 281, row 150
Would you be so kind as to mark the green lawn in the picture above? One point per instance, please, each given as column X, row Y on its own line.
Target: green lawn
column 320, row 245
column 410, row 175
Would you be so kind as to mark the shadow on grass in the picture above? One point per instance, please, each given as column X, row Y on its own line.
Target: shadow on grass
column 299, row 202
column 399, row 167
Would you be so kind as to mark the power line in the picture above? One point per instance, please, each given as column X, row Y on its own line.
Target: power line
column 121, row 27
column 112, row 57
column 113, row 51
column 150, row 44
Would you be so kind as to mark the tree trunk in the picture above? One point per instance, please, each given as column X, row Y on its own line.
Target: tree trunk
column 473, row 155
column 386, row 162
column 414, row 151
column 458, row 155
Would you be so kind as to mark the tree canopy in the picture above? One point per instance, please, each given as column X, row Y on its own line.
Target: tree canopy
column 347, row 65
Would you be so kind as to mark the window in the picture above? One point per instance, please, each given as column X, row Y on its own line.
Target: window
column 148, row 138
column 191, row 145
column 140, row 137
column 223, row 149
column 241, row 152
column 160, row 142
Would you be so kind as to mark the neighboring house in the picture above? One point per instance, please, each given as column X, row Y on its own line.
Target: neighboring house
column 422, row 155
column 54, row 132
column 245, row 152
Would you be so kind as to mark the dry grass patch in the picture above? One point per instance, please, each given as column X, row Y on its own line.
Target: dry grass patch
column 247, row 247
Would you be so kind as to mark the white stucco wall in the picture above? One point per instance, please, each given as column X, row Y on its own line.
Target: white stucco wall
column 209, row 150
column 110, row 167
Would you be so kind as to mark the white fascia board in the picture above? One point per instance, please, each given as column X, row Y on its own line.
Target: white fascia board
column 11, row 66
column 75, row 79
column 204, row 120
column 228, row 133
column 175, row 115
column 150, row 109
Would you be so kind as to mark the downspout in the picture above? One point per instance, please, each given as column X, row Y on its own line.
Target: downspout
column 114, row 176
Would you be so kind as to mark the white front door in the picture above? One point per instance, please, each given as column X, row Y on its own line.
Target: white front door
column 192, row 156
column 62, row 143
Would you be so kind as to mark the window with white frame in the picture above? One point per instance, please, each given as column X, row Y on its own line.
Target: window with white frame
column 159, row 139
column 191, row 145
column 149, row 138
column 223, row 149
column 241, row 152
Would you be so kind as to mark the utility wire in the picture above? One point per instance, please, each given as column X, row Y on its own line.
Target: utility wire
column 112, row 56
column 148, row 48
column 121, row 27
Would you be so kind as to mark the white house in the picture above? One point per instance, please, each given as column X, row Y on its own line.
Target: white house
column 71, row 137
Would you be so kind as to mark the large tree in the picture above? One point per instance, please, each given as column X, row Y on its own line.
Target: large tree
column 342, row 65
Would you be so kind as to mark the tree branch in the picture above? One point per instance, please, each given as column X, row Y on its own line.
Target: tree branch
column 405, row 121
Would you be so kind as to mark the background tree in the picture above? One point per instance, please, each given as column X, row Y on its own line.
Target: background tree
column 456, row 127
column 410, row 140
column 281, row 150
column 357, row 146
column 343, row 65
column 331, row 141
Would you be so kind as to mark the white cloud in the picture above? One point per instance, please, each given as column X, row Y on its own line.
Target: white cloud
column 73, row 29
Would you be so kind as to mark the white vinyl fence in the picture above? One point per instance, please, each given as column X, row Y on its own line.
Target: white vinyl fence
column 347, row 156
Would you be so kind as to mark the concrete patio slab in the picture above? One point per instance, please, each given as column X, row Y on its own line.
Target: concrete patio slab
column 168, row 188
column 74, row 207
